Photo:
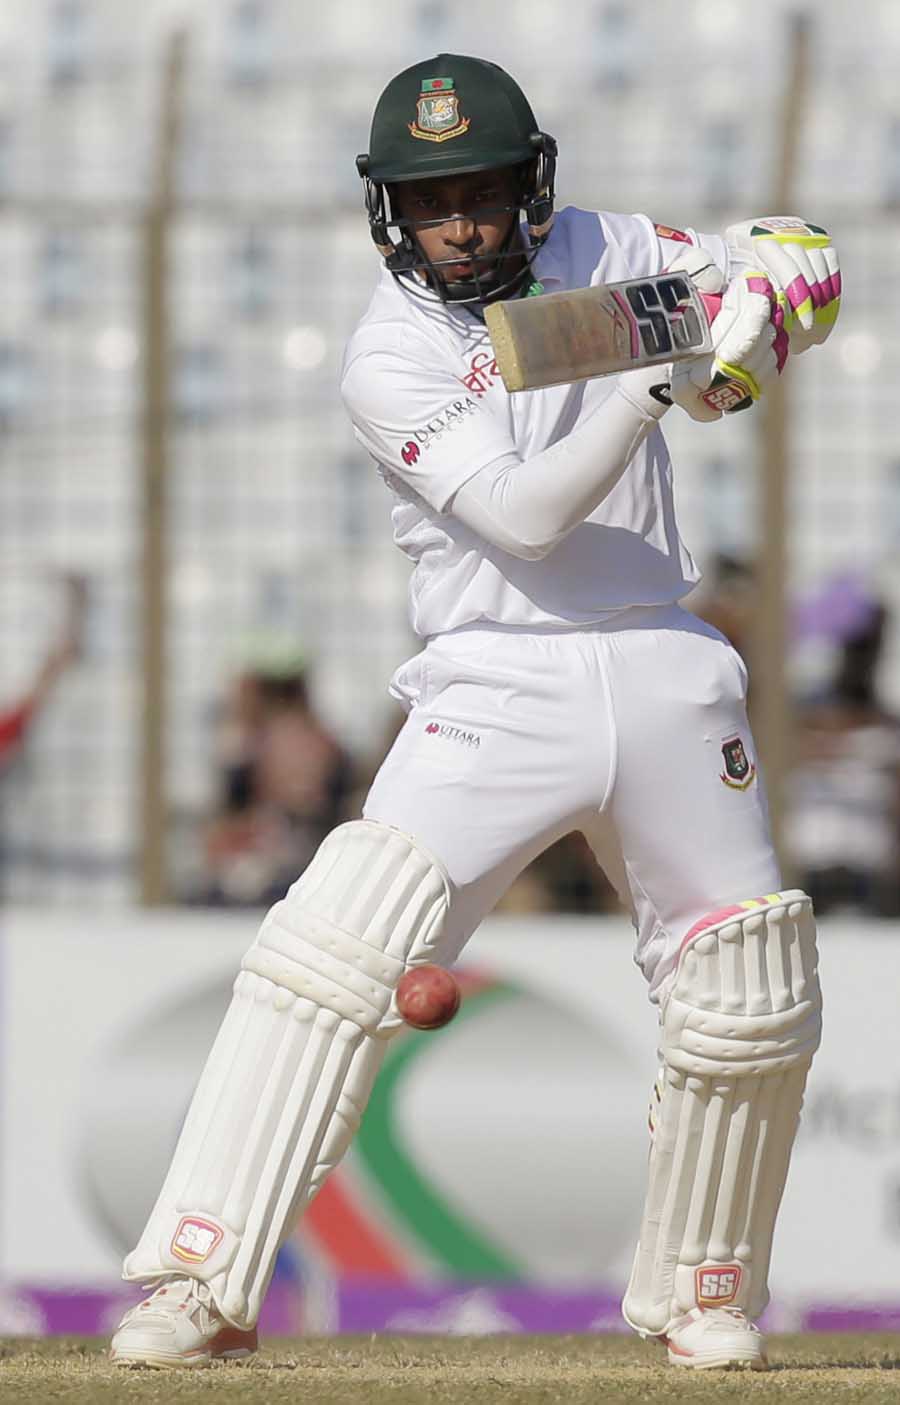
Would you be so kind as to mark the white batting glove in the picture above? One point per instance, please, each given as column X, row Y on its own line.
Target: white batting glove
column 750, row 348
column 701, row 267
column 803, row 265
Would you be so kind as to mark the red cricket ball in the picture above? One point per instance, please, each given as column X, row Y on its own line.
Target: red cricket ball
column 427, row 997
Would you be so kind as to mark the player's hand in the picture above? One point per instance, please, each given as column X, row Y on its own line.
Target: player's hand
column 803, row 265
column 750, row 348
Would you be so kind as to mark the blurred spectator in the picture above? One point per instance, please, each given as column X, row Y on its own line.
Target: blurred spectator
column 727, row 599
column 371, row 763
column 16, row 717
column 843, row 819
column 564, row 878
column 284, row 783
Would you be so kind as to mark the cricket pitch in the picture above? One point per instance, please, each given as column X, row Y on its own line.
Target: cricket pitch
column 514, row 1370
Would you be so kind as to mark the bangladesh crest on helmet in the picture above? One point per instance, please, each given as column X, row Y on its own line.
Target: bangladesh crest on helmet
column 437, row 112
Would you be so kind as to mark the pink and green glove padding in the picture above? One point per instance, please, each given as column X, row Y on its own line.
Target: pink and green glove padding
column 750, row 348
column 803, row 265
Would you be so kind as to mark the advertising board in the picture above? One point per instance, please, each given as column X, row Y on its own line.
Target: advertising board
column 496, row 1182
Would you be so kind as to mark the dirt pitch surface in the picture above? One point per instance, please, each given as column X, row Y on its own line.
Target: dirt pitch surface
column 584, row 1370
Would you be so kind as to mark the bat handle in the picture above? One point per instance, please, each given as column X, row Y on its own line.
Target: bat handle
column 713, row 303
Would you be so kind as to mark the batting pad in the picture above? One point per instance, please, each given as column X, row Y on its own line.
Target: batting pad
column 292, row 1067
column 739, row 1029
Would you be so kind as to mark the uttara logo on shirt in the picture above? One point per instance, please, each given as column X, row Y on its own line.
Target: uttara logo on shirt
column 450, row 418
column 453, row 734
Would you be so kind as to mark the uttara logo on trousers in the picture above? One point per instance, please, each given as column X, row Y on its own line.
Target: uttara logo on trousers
column 739, row 770
column 453, row 734
column 449, row 418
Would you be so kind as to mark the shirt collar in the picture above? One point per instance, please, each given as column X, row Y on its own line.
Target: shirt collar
column 546, row 267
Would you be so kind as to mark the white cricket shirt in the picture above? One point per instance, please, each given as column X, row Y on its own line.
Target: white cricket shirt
column 426, row 400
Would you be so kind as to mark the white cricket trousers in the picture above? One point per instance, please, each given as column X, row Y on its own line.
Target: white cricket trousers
column 634, row 732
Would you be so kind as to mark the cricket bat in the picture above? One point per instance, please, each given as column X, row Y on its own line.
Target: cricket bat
column 555, row 338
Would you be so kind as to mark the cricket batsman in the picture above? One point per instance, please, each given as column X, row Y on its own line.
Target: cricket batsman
column 560, row 686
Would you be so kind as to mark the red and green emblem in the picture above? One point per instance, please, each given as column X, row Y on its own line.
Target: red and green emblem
column 381, row 1217
column 437, row 112
column 739, row 770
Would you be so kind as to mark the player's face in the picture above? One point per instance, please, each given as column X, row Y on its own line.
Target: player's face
column 460, row 222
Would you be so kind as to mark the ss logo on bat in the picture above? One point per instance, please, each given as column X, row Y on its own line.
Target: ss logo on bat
column 665, row 315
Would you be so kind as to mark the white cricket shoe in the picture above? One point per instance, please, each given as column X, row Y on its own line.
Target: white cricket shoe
column 710, row 1337
column 178, row 1325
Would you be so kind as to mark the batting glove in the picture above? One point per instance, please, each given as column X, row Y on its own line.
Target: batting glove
column 750, row 348
column 803, row 265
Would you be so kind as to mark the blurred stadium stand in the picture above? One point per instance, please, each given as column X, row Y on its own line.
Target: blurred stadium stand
column 277, row 525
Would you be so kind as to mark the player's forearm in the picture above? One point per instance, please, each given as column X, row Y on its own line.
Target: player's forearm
column 527, row 507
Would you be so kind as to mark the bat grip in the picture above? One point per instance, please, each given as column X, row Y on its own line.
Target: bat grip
column 713, row 303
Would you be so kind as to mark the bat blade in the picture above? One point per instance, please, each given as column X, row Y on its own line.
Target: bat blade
column 556, row 338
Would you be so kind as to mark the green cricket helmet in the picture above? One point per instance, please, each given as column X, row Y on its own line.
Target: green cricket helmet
column 454, row 116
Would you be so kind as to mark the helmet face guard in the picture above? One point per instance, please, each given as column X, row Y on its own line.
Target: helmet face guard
column 467, row 116
column 508, row 266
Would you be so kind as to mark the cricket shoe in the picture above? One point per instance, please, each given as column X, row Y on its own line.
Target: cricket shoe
column 178, row 1325
column 707, row 1338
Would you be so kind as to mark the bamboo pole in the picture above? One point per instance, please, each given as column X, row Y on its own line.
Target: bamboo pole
column 154, row 484
column 769, row 645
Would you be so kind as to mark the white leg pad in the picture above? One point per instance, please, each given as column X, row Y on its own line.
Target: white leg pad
column 739, row 1028
column 290, row 1072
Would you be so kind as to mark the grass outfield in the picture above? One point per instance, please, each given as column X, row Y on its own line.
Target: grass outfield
column 584, row 1370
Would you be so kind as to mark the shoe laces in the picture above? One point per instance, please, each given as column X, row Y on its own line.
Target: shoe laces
column 181, row 1294
column 723, row 1319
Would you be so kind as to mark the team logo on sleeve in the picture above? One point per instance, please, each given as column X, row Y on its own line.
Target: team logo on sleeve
column 437, row 112
column 665, row 231
column 739, row 770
